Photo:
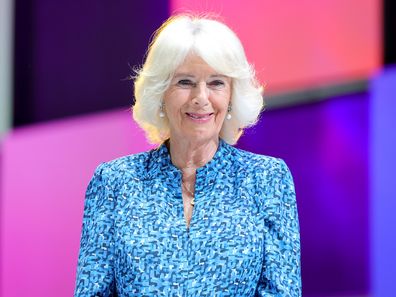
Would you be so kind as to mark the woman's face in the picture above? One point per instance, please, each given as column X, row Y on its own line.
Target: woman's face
column 196, row 101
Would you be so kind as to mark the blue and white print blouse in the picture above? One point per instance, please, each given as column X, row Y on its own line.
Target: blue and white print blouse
column 243, row 238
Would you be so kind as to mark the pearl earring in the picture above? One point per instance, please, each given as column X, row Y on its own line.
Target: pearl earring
column 229, row 109
column 162, row 113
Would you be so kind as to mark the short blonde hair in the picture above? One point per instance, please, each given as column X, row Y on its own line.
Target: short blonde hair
column 220, row 48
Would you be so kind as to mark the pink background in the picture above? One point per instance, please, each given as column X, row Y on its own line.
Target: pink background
column 45, row 171
column 298, row 44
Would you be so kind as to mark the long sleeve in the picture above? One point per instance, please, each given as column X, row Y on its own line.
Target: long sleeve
column 95, row 276
column 281, row 271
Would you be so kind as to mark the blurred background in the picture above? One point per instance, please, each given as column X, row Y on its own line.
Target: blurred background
column 329, row 70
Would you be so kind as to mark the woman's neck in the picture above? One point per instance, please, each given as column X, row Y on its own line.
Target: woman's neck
column 189, row 155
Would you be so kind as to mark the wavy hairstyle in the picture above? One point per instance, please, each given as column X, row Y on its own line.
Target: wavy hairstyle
column 220, row 48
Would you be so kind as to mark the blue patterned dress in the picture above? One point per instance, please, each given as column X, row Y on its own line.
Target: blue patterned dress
column 243, row 238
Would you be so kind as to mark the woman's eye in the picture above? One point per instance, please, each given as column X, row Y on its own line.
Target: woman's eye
column 185, row 83
column 216, row 83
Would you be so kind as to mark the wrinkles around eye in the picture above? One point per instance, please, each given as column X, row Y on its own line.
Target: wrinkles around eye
column 186, row 83
column 216, row 83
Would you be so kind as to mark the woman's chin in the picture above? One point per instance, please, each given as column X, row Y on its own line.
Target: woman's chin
column 200, row 136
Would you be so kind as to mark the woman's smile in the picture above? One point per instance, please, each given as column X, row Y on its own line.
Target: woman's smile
column 200, row 118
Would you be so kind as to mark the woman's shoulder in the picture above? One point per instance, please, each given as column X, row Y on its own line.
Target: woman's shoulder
column 259, row 163
column 134, row 165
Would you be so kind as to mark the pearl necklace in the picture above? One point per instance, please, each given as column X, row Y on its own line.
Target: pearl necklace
column 189, row 191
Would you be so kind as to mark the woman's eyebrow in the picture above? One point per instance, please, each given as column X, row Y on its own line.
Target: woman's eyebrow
column 219, row 76
column 181, row 74
column 187, row 75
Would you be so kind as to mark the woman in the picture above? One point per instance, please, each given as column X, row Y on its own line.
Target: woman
column 195, row 217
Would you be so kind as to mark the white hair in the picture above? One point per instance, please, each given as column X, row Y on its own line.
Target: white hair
column 220, row 48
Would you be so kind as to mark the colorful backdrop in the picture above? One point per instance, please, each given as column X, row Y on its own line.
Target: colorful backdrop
column 71, row 108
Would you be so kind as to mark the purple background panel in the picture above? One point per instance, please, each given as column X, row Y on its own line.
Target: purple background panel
column 74, row 57
column 383, row 180
column 325, row 145
column 45, row 171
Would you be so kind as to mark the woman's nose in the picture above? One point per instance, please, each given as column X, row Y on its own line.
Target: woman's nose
column 201, row 94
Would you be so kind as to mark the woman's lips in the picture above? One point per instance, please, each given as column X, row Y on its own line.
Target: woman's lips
column 199, row 117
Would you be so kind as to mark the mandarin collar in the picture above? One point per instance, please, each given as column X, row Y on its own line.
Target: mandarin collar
column 160, row 163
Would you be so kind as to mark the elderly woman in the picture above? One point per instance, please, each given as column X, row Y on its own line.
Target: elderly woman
column 196, row 216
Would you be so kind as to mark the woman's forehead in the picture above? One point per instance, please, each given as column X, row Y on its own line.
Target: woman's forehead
column 193, row 66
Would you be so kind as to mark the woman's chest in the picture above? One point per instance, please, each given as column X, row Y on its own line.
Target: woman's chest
column 225, row 236
column 155, row 211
